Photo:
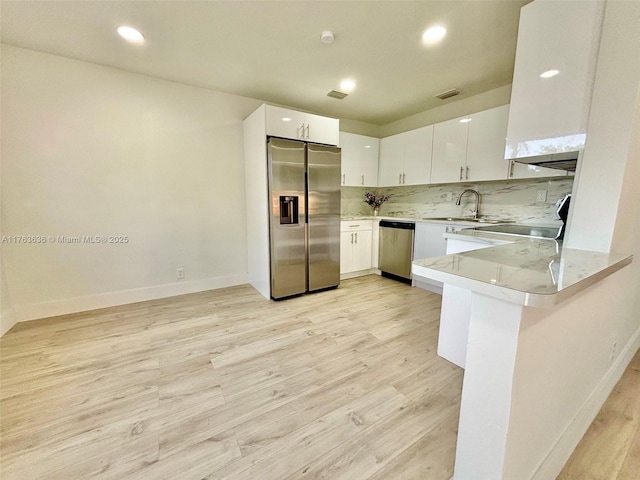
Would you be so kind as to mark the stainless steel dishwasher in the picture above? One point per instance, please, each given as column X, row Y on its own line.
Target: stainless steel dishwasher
column 396, row 249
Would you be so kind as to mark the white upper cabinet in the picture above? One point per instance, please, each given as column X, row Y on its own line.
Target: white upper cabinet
column 449, row 151
column 418, row 145
column 549, row 115
column 470, row 148
column 285, row 123
column 359, row 160
column 391, row 161
column 405, row 158
column 485, row 145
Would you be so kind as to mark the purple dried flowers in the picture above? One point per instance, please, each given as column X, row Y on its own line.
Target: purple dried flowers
column 374, row 199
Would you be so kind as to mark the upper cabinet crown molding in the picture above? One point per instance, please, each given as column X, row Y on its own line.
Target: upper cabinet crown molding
column 550, row 115
column 285, row 123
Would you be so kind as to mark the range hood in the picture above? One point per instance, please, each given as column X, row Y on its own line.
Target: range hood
column 560, row 161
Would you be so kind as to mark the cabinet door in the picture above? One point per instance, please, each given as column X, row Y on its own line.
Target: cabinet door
column 485, row 146
column 359, row 160
column 418, row 145
column 346, row 246
column 351, row 160
column 375, row 244
column 361, row 254
column 519, row 170
column 322, row 129
column 285, row 123
column 371, row 149
column 449, row 151
column 391, row 161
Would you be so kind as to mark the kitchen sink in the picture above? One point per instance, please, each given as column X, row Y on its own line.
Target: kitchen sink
column 466, row 219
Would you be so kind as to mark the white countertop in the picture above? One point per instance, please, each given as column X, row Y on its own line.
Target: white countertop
column 409, row 219
column 525, row 271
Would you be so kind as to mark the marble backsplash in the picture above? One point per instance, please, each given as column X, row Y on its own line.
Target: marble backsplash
column 505, row 199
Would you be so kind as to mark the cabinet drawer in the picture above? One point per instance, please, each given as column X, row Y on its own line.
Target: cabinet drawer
column 356, row 225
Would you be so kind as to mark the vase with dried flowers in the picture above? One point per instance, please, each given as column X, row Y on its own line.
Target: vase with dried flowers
column 374, row 200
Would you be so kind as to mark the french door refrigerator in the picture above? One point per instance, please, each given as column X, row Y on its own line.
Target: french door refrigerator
column 304, row 211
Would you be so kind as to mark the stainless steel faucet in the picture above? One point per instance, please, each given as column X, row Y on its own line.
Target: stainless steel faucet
column 469, row 190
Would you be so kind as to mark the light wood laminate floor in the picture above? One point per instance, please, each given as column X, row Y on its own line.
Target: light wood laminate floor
column 610, row 450
column 225, row 384
column 344, row 384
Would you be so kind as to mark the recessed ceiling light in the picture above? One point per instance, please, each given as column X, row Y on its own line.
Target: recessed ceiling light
column 130, row 34
column 286, row 119
column 465, row 120
column 433, row 34
column 367, row 146
column 347, row 85
column 549, row 74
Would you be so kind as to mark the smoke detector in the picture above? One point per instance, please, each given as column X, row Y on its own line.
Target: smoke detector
column 327, row 37
column 447, row 94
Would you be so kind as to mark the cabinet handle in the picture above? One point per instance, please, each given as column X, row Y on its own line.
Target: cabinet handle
column 399, row 179
column 352, row 238
column 354, row 226
column 356, row 237
column 461, row 169
column 511, row 169
column 362, row 183
column 343, row 178
column 467, row 173
column 403, row 178
column 307, row 131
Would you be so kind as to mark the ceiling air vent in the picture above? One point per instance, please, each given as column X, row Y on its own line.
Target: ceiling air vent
column 337, row 94
column 447, row 94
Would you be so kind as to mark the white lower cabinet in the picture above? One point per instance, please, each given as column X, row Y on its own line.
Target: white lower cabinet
column 355, row 246
column 430, row 242
column 456, row 312
column 375, row 243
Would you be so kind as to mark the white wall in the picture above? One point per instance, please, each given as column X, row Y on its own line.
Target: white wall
column 601, row 175
column 579, row 370
column 450, row 109
column 91, row 150
column 7, row 313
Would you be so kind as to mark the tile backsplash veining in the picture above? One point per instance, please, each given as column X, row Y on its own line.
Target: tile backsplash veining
column 505, row 199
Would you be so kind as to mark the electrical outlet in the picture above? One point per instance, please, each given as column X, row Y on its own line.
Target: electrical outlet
column 449, row 196
column 180, row 273
column 614, row 346
column 541, row 196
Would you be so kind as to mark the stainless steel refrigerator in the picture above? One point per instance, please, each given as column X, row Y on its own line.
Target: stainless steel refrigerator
column 304, row 210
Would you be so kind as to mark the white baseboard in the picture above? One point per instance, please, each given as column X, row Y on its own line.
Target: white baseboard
column 435, row 287
column 65, row 306
column 566, row 444
column 359, row 273
column 7, row 320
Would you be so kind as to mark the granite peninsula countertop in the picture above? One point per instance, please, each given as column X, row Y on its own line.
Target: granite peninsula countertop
column 526, row 271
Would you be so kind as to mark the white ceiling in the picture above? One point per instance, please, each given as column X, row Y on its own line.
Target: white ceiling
column 272, row 50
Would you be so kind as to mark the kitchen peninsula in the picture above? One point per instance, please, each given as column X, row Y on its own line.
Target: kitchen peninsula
column 523, row 381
